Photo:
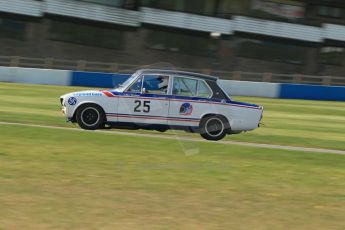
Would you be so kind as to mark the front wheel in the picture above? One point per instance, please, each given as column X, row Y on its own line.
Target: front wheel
column 213, row 128
column 90, row 116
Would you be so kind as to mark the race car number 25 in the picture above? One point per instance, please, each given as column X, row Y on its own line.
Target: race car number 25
column 142, row 106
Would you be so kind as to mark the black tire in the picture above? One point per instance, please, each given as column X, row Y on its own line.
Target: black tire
column 162, row 130
column 214, row 127
column 90, row 117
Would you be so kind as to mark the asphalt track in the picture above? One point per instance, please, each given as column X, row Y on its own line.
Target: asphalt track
column 256, row 145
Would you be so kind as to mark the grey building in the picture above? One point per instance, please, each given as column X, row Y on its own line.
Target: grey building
column 278, row 36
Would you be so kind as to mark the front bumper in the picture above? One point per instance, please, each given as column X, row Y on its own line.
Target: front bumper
column 63, row 110
column 64, row 113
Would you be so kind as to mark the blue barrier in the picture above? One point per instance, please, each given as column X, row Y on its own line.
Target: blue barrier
column 103, row 80
column 312, row 92
column 109, row 80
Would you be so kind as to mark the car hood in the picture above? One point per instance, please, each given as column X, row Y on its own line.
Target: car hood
column 83, row 93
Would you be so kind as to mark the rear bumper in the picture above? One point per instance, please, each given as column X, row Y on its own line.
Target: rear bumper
column 261, row 116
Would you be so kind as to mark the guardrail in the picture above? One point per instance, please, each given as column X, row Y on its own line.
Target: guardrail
column 82, row 65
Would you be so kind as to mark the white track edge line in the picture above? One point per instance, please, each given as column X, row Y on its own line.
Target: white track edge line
column 249, row 144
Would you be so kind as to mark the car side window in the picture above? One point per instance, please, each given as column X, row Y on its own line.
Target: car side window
column 185, row 87
column 203, row 90
column 136, row 86
column 155, row 84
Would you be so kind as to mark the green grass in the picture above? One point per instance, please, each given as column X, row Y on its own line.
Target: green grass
column 299, row 123
column 64, row 179
column 287, row 122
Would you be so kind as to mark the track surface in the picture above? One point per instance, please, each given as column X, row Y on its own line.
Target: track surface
column 258, row 145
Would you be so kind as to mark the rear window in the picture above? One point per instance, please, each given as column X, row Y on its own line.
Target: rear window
column 185, row 87
column 204, row 90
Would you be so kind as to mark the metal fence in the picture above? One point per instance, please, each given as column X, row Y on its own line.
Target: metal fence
column 81, row 65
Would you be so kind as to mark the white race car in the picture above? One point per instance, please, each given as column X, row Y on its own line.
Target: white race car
column 161, row 100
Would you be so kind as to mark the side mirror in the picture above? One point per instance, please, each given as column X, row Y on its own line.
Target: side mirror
column 144, row 91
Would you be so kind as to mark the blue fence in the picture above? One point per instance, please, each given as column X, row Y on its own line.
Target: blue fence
column 103, row 80
column 312, row 92
column 107, row 80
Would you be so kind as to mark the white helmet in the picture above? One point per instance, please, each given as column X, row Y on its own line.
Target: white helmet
column 164, row 82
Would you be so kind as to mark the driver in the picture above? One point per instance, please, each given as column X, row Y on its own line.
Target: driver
column 163, row 85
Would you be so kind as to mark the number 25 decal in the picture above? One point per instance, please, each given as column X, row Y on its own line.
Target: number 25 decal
column 145, row 107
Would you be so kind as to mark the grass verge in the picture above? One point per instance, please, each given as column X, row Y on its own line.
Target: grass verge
column 59, row 179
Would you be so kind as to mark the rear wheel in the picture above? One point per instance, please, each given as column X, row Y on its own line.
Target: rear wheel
column 90, row 116
column 213, row 127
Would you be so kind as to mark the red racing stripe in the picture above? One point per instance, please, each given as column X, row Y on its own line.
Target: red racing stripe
column 153, row 118
column 107, row 93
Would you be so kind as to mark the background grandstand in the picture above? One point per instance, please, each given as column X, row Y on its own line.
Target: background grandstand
column 276, row 36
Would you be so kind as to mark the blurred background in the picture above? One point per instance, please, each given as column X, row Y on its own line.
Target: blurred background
column 260, row 40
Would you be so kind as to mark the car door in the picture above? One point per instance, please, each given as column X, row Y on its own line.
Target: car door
column 189, row 101
column 145, row 101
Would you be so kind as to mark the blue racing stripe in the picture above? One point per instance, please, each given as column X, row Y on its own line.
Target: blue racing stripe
column 142, row 115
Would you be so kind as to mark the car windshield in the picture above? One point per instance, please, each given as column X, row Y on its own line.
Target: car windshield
column 127, row 82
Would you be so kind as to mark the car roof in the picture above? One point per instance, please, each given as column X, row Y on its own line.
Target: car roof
column 165, row 71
